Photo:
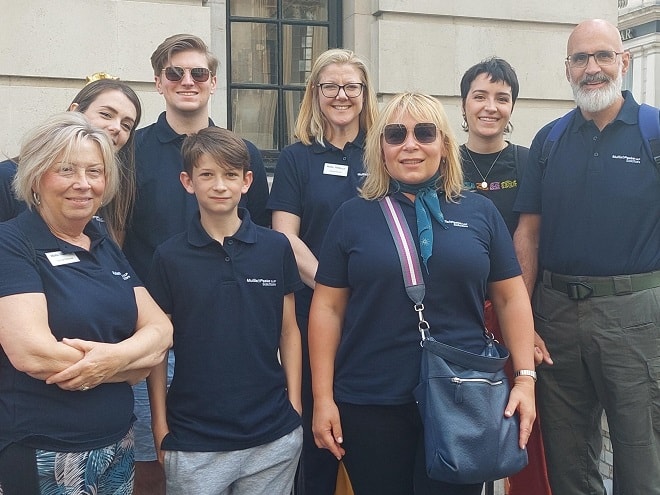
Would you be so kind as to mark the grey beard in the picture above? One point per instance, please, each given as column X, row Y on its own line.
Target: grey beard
column 593, row 101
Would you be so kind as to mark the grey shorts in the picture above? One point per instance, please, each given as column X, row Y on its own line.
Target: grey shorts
column 267, row 469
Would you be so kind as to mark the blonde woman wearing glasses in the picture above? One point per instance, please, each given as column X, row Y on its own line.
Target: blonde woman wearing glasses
column 313, row 177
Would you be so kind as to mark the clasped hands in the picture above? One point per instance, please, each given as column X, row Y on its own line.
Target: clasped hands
column 99, row 363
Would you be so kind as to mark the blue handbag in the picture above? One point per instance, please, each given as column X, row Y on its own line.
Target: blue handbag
column 461, row 395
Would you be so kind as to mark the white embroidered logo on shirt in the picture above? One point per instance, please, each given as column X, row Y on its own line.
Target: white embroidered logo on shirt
column 265, row 282
column 628, row 159
column 457, row 224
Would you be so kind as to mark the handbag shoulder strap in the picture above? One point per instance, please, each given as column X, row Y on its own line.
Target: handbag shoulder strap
column 405, row 247
column 412, row 272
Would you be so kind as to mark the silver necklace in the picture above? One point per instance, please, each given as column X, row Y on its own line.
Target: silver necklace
column 484, row 184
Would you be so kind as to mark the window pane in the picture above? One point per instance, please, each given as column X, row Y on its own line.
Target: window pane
column 292, row 101
column 262, row 8
column 309, row 10
column 254, row 116
column 253, row 53
column 301, row 46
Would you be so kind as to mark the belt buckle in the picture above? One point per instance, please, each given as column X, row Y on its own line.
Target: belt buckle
column 578, row 290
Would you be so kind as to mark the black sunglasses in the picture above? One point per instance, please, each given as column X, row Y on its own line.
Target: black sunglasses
column 174, row 73
column 424, row 132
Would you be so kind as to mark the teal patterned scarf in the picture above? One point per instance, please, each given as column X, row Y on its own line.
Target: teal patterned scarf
column 427, row 205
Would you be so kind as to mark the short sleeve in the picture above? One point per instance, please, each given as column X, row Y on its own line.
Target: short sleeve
column 18, row 263
column 158, row 283
column 286, row 193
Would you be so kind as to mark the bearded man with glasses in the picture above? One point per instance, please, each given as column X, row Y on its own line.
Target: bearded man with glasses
column 588, row 240
column 185, row 74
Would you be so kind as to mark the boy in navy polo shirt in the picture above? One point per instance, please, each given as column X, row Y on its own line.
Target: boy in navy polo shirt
column 230, row 422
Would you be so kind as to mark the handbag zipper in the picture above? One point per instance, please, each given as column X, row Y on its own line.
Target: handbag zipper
column 458, row 391
column 458, row 380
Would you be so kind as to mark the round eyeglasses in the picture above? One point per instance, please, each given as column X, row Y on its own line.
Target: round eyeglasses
column 331, row 90
column 603, row 57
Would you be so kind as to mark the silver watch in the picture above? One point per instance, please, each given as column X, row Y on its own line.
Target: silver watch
column 531, row 373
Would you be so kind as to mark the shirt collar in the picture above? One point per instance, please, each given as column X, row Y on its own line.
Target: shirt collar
column 246, row 233
column 358, row 142
column 42, row 238
column 166, row 134
column 630, row 110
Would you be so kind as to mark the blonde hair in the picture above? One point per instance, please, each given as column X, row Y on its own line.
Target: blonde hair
column 311, row 123
column 423, row 108
column 56, row 139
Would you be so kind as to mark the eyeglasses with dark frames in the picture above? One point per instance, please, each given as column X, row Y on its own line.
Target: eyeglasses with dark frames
column 174, row 73
column 602, row 58
column 424, row 132
column 331, row 90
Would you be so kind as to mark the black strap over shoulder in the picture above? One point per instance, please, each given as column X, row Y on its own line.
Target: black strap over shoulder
column 521, row 155
column 649, row 126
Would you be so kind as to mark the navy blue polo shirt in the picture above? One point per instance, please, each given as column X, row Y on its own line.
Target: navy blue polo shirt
column 226, row 302
column 378, row 358
column 162, row 206
column 9, row 205
column 599, row 197
column 502, row 180
column 89, row 297
column 312, row 182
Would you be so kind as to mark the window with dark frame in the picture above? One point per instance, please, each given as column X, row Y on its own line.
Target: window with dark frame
column 271, row 47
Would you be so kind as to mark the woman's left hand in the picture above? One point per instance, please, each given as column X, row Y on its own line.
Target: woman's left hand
column 99, row 364
column 521, row 399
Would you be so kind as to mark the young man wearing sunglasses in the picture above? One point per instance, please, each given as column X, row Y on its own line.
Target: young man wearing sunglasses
column 185, row 74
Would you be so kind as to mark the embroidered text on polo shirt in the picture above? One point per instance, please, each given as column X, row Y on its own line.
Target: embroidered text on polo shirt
column 457, row 224
column 628, row 159
column 265, row 282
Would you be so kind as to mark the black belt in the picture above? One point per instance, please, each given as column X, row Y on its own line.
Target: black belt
column 578, row 287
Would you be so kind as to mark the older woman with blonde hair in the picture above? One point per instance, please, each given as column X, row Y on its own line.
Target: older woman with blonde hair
column 76, row 325
column 363, row 339
column 112, row 106
column 313, row 177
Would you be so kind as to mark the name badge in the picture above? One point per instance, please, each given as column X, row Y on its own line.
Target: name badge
column 335, row 169
column 58, row 258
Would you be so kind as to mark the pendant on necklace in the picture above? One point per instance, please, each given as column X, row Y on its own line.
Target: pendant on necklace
column 483, row 186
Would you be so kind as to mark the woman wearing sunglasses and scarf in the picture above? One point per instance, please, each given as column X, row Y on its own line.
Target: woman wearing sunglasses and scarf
column 363, row 339
column 493, row 168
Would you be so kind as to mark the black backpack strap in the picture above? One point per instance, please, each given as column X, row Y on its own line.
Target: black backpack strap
column 553, row 136
column 649, row 126
column 521, row 154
